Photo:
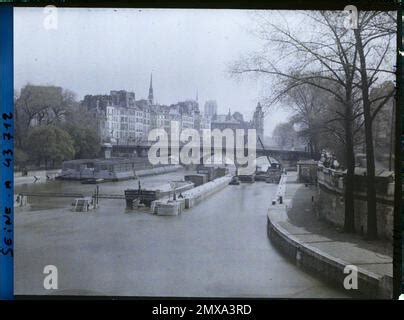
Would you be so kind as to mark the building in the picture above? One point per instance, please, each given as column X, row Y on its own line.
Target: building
column 258, row 122
column 201, row 122
column 228, row 121
column 121, row 119
column 383, row 126
column 122, row 98
column 236, row 121
column 119, row 116
column 210, row 109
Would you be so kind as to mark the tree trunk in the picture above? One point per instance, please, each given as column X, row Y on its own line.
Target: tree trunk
column 316, row 150
column 311, row 148
column 370, row 157
column 349, row 221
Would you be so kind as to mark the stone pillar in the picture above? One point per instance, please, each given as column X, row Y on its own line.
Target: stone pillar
column 107, row 150
column 143, row 153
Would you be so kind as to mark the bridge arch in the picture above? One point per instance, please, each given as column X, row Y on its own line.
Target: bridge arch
column 288, row 158
column 210, row 159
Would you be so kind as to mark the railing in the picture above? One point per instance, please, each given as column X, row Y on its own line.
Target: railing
column 335, row 180
column 330, row 177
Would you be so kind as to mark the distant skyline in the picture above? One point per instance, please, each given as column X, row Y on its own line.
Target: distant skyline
column 94, row 51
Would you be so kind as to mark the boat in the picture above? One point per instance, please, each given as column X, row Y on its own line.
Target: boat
column 84, row 204
column 234, row 181
column 249, row 178
column 114, row 169
column 147, row 196
column 92, row 181
column 274, row 174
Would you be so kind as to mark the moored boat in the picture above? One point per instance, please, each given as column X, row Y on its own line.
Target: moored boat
column 92, row 181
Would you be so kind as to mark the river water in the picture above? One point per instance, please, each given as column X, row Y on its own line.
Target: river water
column 219, row 248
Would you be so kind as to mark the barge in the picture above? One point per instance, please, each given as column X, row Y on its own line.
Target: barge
column 147, row 196
column 98, row 170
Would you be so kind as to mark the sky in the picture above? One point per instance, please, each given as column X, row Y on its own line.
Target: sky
column 93, row 51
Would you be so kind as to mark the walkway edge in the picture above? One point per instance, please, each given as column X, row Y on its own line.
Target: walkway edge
column 328, row 267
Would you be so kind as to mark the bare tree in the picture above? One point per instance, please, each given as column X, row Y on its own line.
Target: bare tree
column 311, row 113
column 373, row 46
column 326, row 61
column 285, row 135
column 343, row 63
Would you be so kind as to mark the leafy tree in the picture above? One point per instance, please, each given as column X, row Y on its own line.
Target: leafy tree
column 20, row 157
column 54, row 113
column 40, row 105
column 49, row 144
column 85, row 140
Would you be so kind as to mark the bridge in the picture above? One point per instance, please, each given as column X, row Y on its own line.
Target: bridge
column 288, row 157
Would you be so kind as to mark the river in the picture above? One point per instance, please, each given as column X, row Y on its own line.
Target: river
column 219, row 248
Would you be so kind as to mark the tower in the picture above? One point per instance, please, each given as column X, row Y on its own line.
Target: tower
column 150, row 98
column 210, row 109
column 228, row 117
column 258, row 121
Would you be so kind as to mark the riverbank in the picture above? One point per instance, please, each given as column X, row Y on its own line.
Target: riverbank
column 35, row 176
column 295, row 229
column 40, row 176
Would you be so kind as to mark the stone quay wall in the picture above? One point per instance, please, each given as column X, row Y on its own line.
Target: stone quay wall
column 331, row 206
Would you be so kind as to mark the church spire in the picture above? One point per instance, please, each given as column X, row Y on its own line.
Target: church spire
column 228, row 117
column 151, row 95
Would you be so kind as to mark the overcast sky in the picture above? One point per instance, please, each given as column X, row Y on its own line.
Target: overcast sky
column 94, row 51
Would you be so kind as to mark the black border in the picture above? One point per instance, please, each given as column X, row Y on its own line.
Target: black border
column 382, row 5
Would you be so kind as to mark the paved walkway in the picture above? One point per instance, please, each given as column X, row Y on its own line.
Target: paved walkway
column 301, row 222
